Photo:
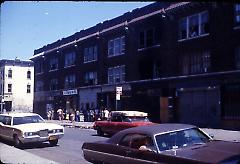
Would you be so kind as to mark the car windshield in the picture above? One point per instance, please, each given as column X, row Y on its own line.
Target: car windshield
column 179, row 139
column 135, row 119
column 27, row 119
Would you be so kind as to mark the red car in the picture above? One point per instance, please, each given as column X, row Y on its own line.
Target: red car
column 120, row 120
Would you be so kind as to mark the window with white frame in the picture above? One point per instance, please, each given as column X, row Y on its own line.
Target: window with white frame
column 194, row 25
column 9, row 88
column 237, row 14
column 39, row 86
column 116, row 46
column 237, row 57
column 70, row 59
column 146, row 38
column 70, row 81
column 90, row 78
column 28, row 74
column 9, row 73
column 90, row 54
column 53, row 64
column 196, row 63
column 28, row 88
column 116, row 74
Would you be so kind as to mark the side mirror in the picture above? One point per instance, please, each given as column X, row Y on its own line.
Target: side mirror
column 211, row 135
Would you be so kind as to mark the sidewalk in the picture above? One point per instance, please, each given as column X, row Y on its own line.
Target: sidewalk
column 10, row 154
column 82, row 125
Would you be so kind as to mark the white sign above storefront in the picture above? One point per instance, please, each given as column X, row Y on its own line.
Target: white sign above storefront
column 70, row 92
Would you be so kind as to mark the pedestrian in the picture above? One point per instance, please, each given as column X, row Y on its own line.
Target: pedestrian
column 77, row 116
column 72, row 116
column 60, row 114
column 49, row 113
column 106, row 113
column 52, row 114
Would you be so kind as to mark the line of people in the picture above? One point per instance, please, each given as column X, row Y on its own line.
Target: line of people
column 80, row 116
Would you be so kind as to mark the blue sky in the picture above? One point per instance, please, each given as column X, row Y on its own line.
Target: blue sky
column 29, row 25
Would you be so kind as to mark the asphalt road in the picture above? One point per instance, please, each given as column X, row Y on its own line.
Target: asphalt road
column 68, row 150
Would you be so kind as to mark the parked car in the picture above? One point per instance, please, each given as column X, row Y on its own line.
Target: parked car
column 119, row 120
column 162, row 143
column 27, row 128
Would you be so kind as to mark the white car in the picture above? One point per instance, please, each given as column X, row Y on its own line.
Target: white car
column 27, row 128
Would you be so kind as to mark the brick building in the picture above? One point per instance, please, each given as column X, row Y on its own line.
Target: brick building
column 171, row 59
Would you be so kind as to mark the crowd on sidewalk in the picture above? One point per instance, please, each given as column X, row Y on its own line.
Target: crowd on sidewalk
column 90, row 115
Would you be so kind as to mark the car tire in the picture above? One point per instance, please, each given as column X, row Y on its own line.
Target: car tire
column 17, row 142
column 99, row 131
column 53, row 142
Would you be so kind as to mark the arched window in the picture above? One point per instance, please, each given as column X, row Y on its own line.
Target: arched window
column 29, row 74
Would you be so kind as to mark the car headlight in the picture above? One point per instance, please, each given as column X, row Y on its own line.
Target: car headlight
column 57, row 130
column 29, row 134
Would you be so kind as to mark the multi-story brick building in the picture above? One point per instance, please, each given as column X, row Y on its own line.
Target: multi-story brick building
column 16, row 85
column 179, row 62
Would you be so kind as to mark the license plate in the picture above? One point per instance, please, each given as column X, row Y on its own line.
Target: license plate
column 52, row 138
column 43, row 133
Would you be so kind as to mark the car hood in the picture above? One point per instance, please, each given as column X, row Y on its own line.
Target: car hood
column 31, row 127
column 213, row 152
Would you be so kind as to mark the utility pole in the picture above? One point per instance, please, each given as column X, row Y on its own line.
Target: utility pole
column 2, row 88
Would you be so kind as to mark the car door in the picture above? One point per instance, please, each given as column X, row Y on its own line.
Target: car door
column 6, row 128
column 1, row 125
column 133, row 155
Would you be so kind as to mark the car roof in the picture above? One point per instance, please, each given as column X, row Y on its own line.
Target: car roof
column 17, row 114
column 151, row 130
column 160, row 128
column 131, row 113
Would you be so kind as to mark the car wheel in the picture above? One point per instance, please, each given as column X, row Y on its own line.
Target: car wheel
column 17, row 142
column 53, row 142
column 99, row 132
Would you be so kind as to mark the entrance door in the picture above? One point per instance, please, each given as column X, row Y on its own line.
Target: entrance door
column 200, row 107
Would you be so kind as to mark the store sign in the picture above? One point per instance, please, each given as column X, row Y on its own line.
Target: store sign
column 118, row 93
column 70, row 92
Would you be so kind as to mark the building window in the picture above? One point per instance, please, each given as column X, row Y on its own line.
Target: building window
column 90, row 54
column 146, row 38
column 237, row 14
column 39, row 67
column 53, row 64
column 9, row 73
column 237, row 57
column 28, row 74
column 53, row 84
column 116, row 46
column 28, row 88
column 194, row 25
column 116, row 74
column 9, row 88
column 231, row 103
column 90, row 78
column 196, row 63
column 39, row 86
column 70, row 59
column 70, row 81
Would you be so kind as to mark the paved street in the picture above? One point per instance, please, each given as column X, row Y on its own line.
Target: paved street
column 68, row 150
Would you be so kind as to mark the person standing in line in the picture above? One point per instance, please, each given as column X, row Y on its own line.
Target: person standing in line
column 106, row 113
column 77, row 116
column 60, row 114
